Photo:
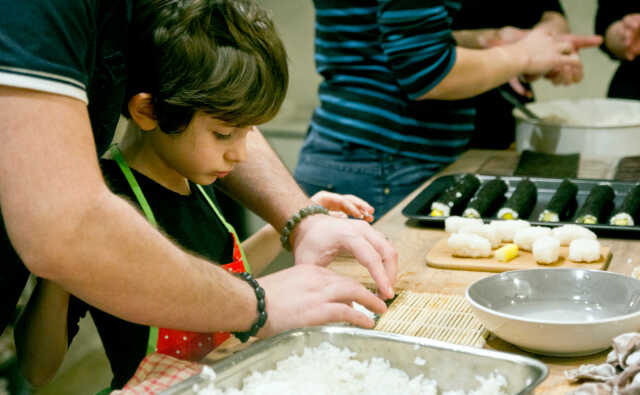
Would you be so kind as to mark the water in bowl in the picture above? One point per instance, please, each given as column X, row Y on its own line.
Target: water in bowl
column 557, row 311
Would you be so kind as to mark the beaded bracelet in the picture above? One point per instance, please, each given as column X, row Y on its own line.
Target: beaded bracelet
column 262, row 313
column 295, row 220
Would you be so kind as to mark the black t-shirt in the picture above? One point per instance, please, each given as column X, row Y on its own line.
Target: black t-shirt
column 494, row 124
column 72, row 48
column 190, row 221
column 625, row 83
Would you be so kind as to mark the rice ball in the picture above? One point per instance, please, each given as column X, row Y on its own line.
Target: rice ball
column 507, row 228
column 525, row 237
column 546, row 249
column 567, row 233
column 584, row 250
column 469, row 245
column 482, row 230
column 454, row 223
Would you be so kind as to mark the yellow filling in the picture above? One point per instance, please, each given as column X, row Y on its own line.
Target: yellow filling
column 436, row 213
column 507, row 216
column 621, row 222
column 507, row 252
column 548, row 217
column 589, row 220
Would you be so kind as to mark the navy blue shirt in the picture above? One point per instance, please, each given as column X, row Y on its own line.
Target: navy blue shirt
column 377, row 57
column 72, row 48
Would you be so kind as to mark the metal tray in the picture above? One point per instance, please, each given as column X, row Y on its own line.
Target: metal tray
column 452, row 366
column 419, row 208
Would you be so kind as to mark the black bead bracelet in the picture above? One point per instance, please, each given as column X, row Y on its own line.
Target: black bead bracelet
column 295, row 220
column 262, row 313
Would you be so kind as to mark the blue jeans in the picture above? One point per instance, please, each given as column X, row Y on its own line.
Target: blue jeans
column 380, row 178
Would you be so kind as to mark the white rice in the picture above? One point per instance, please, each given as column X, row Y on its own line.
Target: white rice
column 454, row 223
column 507, row 228
column 546, row 249
column 584, row 250
column 482, row 230
column 567, row 233
column 469, row 245
column 443, row 208
column 327, row 369
column 525, row 237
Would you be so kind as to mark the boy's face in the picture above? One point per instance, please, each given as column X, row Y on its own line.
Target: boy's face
column 206, row 150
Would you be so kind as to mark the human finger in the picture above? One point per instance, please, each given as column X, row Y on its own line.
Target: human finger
column 389, row 256
column 579, row 41
column 517, row 87
column 346, row 290
column 338, row 312
column 368, row 256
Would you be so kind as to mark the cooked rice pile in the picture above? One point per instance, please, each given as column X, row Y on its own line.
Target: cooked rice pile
column 329, row 370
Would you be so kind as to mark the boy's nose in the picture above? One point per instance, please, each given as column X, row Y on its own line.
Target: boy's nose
column 238, row 153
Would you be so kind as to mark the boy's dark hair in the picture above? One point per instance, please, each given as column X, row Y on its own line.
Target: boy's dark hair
column 223, row 57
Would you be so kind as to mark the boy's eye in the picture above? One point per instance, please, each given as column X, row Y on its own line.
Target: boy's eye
column 221, row 136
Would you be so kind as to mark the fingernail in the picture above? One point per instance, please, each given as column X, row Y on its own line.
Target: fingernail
column 390, row 291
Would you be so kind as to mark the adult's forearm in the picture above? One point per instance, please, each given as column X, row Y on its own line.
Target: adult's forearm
column 264, row 185
column 68, row 227
column 477, row 71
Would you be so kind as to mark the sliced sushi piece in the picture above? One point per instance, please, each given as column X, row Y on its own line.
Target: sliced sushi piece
column 628, row 211
column 596, row 204
column 584, row 250
column 560, row 203
column 507, row 252
column 546, row 250
column 570, row 232
column 469, row 245
column 525, row 237
column 486, row 197
column 521, row 202
column 507, row 229
column 486, row 231
column 455, row 196
column 454, row 223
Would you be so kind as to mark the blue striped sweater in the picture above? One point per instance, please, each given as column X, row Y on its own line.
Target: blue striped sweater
column 377, row 57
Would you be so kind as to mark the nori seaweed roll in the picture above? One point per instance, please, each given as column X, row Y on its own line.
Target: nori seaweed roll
column 560, row 203
column 521, row 202
column 628, row 211
column 456, row 196
column 594, row 207
column 487, row 195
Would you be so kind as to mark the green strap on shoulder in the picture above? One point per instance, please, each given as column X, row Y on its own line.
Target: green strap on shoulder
column 137, row 191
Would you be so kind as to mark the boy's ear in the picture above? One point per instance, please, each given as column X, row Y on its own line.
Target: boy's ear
column 141, row 111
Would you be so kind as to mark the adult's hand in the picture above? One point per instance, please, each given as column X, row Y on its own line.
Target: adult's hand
column 546, row 52
column 343, row 206
column 631, row 31
column 318, row 239
column 307, row 295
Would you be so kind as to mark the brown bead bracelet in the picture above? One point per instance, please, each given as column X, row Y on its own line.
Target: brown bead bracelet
column 262, row 308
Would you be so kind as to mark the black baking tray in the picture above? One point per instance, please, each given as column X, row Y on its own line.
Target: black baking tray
column 419, row 208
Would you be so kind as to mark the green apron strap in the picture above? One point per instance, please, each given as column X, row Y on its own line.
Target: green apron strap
column 133, row 183
column 227, row 225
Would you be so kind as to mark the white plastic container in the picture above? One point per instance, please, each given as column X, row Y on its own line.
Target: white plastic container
column 592, row 127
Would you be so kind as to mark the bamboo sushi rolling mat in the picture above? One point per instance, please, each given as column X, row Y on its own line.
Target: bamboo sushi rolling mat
column 446, row 318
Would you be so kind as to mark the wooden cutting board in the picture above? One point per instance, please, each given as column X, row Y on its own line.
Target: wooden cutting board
column 440, row 256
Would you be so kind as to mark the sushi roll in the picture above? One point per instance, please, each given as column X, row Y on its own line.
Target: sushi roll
column 521, row 202
column 628, row 211
column 546, row 250
column 454, row 223
column 568, row 233
column 468, row 245
column 507, row 229
column 596, row 204
column 486, row 231
column 456, row 196
column 525, row 237
column 490, row 192
column 584, row 250
column 560, row 203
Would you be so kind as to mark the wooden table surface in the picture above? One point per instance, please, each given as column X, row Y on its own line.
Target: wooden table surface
column 413, row 242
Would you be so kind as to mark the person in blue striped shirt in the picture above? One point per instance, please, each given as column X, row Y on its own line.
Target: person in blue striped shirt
column 392, row 74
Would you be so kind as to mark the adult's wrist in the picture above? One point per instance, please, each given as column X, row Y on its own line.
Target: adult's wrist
column 261, row 308
column 292, row 225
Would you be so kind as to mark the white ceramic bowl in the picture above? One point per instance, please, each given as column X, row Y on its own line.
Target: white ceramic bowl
column 557, row 312
column 594, row 127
